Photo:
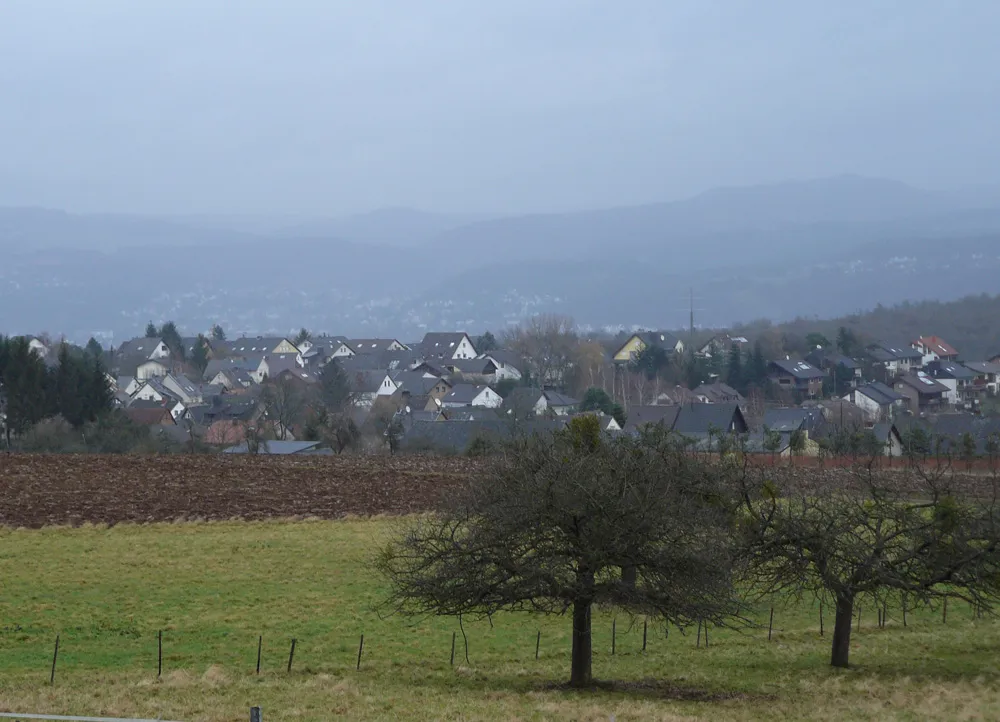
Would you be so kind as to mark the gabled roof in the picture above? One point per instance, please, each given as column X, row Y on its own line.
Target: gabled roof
column 139, row 347
column 244, row 363
column 129, row 365
column 640, row 416
column 464, row 393
column 923, row 383
column 185, row 384
column 473, row 367
column 950, row 370
column 438, row 343
column 982, row 367
column 888, row 351
column 306, row 376
column 149, row 416
column 367, row 382
column 259, row 345
column 505, row 357
column 415, row 382
column 799, row 369
column 279, row 362
column 880, row 393
column 372, row 345
column 556, row 399
column 826, row 357
column 705, row 418
column 788, row 420
column 936, row 345
column 718, row 392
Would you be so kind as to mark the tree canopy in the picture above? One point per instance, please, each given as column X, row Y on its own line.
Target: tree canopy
column 564, row 522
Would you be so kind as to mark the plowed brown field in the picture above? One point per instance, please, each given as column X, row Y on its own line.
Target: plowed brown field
column 37, row 490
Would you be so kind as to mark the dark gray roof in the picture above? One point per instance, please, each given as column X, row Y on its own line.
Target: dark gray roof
column 719, row 392
column 661, row 339
column 363, row 346
column 246, row 363
column 923, row 383
column 640, row 416
column 891, row 351
column 788, row 420
column 950, row 370
column 983, row 367
column 509, row 358
column 473, row 367
column 442, row 344
column 704, row 418
column 822, row 357
column 279, row 362
column 464, row 393
column 801, row 370
column 554, row 398
column 139, row 347
column 415, row 382
column 257, row 345
column 880, row 393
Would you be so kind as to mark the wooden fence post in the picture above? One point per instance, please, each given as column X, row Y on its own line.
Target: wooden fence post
column 361, row 647
column 55, row 656
column 614, row 634
column 159, row 653
column 291, row 655
column 821, row 617
column 452, row 649
column 644, row 622
column 770, row 624
column 260, row 646
column 538, row 643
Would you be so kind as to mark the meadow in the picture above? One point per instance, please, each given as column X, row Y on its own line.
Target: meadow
column 214, row 587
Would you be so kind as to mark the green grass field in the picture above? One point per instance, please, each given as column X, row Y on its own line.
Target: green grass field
column 213, row 588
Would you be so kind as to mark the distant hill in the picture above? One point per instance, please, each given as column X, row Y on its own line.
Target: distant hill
column 402, row 227
column 820, row 248
column 971, row 324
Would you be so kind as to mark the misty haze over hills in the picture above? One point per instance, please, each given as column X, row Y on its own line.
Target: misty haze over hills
column 820, row 247
column 208, row 161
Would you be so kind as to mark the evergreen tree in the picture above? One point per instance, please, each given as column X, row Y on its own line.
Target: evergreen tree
column 23, row 386
column 99, row 399
column 847, row 341
column 94, row 348
column 302, row 336
column 172, row 338
column 199, row 355
column 734, row 368
column 757, row 371
column 69, row 382
column 151, row 331
column 335, row 390
column 218, row 333
column 485, row 343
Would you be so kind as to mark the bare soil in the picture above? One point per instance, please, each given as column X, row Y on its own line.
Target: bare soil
column 40, row 490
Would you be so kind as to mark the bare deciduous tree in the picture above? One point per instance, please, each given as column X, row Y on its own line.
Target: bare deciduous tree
column 555, row 522
column 875, row 534
column 284, row 404
column 549, row 343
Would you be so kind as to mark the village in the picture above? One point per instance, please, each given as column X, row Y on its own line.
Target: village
column 455, row 393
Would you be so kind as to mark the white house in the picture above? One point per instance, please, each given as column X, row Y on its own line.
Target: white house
column 368, row 386
column 183, row 388
column 448, row 346
column 148, row 348
column 508, row 365
column 876, row 400
column 38, row 346
column 151, row 369
column 150, row 391
column 471, row 395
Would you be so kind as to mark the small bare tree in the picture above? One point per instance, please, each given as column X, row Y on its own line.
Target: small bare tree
column 549, row 344
column 870, row 533
column 563, row 523
column 284, row 404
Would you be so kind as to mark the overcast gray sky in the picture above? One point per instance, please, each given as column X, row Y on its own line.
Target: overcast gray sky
column 327, row 107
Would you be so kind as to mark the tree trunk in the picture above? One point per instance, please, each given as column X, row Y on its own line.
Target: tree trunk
column 580, row 676
column 629, row 575
column 842, row 631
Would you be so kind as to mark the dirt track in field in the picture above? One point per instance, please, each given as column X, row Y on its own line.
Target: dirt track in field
column 39, row 490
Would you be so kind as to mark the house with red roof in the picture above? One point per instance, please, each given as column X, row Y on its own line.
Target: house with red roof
column 935, row 348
